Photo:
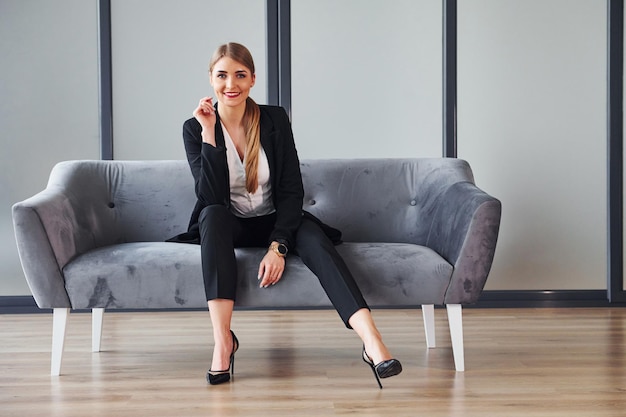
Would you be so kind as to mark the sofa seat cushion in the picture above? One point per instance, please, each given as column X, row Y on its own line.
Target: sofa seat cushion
column 397, row 274
column 168, row 275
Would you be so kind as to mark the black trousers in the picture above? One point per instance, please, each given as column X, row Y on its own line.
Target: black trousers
column 221, row 232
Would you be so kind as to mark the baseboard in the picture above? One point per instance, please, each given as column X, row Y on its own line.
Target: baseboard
column 551, row 298
column 20, row 304
column 25, row 304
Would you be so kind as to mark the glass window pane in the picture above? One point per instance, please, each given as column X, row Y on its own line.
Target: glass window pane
column 532, row 122
column 367, row 78
column 161, row 52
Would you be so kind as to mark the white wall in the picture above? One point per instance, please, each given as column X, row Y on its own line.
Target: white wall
column 532, row 122
column 48, row 105
column 532, row 93
column 160, row 57
column 366, row 78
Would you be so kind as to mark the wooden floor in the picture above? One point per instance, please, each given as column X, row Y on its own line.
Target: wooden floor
column 519, row 362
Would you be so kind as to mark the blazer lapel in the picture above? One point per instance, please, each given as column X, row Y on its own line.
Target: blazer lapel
column 219, row 133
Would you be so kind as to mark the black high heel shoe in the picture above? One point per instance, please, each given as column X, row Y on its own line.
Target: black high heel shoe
column 219, row 377
column 383, row 369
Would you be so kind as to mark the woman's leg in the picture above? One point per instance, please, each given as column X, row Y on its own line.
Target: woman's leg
column 221, row 312
column 219, row 271
column 220, row 233
column 320, row 255
column 219, row 267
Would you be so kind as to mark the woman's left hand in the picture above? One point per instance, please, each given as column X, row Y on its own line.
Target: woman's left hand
column 271, row 269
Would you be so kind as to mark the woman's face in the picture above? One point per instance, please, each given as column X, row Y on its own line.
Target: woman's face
column 231, row 82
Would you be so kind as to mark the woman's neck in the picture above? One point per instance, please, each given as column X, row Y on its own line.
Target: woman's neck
column 231, row 116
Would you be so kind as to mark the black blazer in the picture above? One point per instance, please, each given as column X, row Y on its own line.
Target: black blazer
column 209, row 168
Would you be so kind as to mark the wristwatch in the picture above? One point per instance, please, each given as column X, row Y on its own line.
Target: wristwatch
column 279, row 249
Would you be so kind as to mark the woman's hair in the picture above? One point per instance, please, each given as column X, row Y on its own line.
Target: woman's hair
column 251, row 116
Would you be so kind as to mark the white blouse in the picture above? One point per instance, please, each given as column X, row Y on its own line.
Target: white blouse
column 243, row 203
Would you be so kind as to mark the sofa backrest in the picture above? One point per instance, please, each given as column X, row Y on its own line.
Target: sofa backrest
column 123, row 201
column 380, row 200
column 368, row 199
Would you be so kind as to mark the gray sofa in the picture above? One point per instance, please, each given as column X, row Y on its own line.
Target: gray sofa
column 415, row 231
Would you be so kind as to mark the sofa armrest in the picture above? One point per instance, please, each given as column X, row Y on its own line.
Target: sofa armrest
column 35, row 247
column 465, row 231
column 73, row 215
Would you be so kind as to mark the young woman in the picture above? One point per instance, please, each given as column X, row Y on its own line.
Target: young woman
column 249, row 188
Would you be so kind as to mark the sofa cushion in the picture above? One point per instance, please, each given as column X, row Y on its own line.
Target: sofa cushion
column 168, row 275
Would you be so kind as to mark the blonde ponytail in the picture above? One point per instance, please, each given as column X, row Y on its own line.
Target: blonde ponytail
column 252, row 129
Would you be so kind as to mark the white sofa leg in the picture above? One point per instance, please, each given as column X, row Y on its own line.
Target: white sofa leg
column 59, row 325
column 455, row 320
column 428, row 313
column 97, row 316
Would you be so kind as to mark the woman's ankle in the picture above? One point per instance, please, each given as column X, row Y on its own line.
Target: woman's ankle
column 222, row 349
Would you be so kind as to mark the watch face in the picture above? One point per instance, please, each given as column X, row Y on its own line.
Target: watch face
column 282, row 249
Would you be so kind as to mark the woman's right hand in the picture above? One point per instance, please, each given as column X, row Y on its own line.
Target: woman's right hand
column 205, row 115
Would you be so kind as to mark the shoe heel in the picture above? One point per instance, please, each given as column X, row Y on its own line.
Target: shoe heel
column 232, row 355
column 231, row 368
column 370, row 363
